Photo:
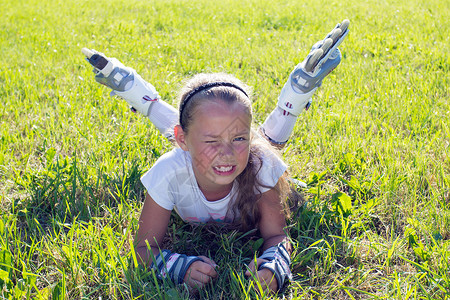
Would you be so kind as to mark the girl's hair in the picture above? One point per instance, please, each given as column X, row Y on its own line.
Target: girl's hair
column 203, row 87
column 250, row 187
column 214, row 86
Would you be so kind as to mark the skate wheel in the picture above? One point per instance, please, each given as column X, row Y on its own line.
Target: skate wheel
column 87, row 52
column 313, row 60
column 335, row 34
column 344, row 25
column 326, row 46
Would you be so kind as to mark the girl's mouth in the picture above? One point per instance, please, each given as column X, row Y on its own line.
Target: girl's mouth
column 224, row 170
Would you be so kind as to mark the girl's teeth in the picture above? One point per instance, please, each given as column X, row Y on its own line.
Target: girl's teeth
column 223, row 169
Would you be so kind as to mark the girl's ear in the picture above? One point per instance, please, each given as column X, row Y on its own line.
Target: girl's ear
column 180, row 137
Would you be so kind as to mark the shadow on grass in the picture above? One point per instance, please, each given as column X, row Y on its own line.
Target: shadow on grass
column 70, row 228
column 65, row 190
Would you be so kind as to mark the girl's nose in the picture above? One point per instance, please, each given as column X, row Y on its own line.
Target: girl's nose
column 226, row 149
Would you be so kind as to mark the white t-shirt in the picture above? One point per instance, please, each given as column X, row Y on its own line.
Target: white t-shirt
column 172, row 185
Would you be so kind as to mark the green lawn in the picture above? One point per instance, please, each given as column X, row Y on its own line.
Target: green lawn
column 374, row 147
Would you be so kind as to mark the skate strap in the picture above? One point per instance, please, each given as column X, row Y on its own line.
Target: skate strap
column 173, row 265
column 140, row 94
column 292, row 101
column 279, row 261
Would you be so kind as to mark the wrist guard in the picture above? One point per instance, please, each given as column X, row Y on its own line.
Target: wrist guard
column 279, row 262
column 173, row 265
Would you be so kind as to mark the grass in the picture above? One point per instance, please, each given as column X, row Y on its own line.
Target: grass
column 374, row 147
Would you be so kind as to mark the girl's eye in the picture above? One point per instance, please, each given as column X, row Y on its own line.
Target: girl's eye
column 239, row 139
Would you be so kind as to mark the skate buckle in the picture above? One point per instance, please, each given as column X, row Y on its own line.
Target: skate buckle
column 147, row 98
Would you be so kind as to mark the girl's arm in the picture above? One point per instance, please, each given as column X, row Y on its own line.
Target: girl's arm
column 273, row 220
column 152, row 228
column 271, row 227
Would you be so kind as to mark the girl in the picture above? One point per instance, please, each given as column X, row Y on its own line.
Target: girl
column 222, row 171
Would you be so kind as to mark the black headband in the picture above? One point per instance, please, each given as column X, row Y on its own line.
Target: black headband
column 205, row 87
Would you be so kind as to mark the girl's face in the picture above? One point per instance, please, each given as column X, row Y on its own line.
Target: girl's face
column 218, row 140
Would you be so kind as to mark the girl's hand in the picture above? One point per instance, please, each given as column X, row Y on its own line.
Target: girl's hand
column 265, row 277
column 201, row 273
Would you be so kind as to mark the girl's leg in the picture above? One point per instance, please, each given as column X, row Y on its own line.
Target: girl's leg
column 141, row 95
column 301, row 85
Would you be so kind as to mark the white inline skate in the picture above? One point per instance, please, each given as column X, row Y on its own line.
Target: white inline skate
column 308, row 75
column 139, row 94
column 302, row 83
